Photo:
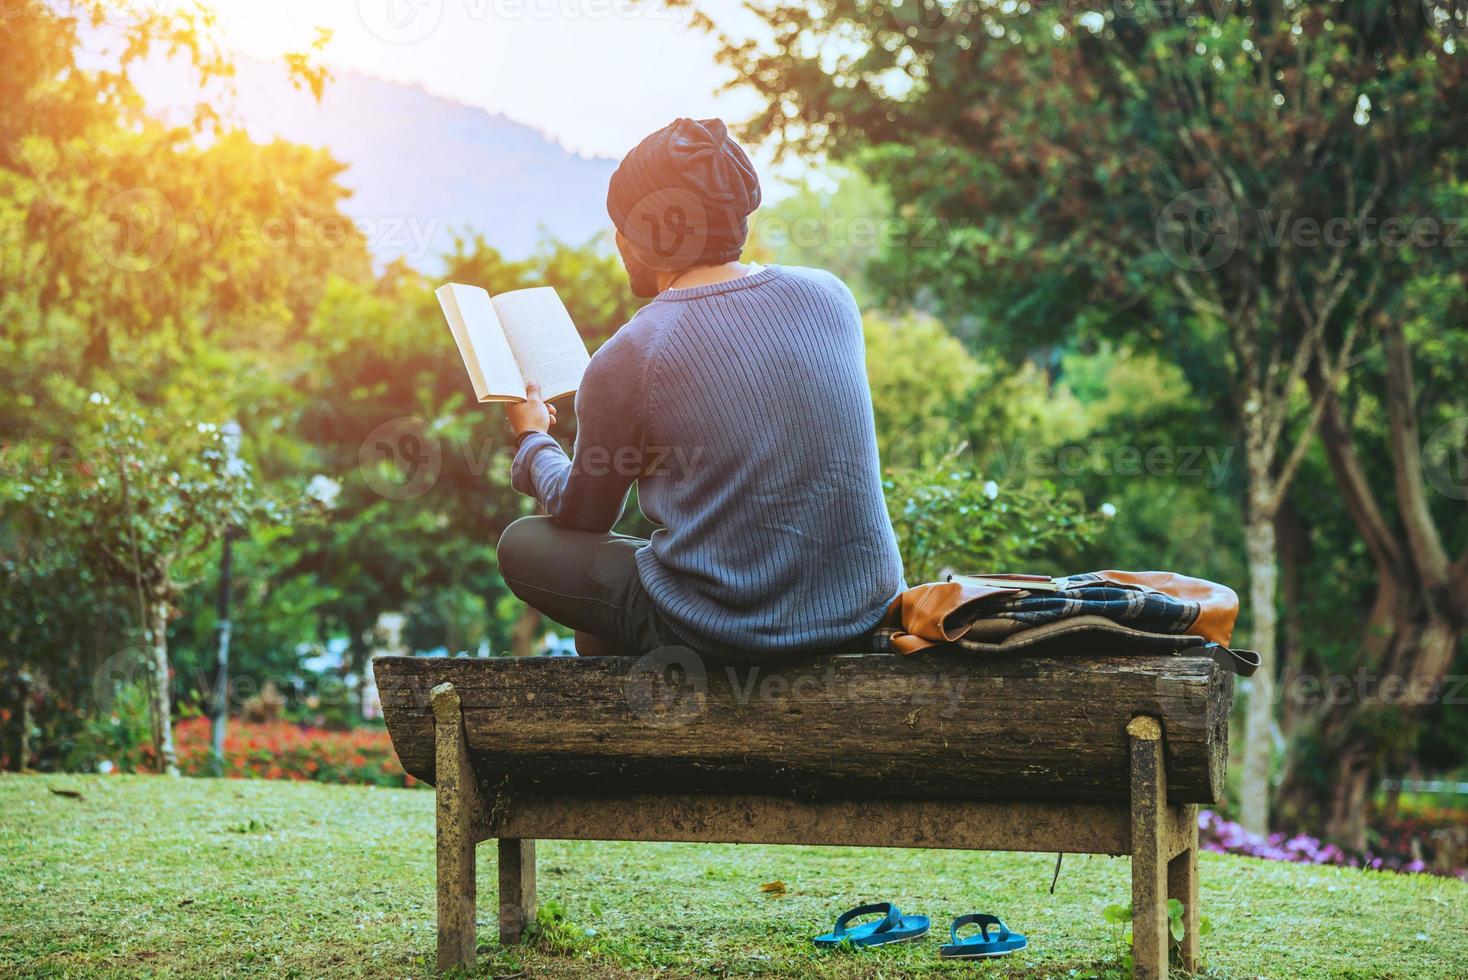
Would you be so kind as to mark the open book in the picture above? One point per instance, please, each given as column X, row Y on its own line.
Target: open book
column 514, row 339
column 1011, row 580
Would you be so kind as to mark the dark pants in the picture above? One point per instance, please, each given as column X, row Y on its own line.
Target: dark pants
column 588, row 581
column 584, row 580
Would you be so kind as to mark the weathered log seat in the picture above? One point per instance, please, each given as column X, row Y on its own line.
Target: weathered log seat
column 1106, row 755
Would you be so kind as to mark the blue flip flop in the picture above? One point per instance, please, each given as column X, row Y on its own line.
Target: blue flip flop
column 893, row 927
column 979, row 945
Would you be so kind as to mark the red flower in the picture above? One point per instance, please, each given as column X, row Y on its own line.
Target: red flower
column 282, row 750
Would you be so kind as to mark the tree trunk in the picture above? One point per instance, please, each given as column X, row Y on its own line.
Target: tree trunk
column 159, row 693
column 1413, row 676
column 1259, row 542
column 23, row 717
column 1367, row 727
column 522, row 633
column 1350, row 799
column 1293, row 652
column 219, row 706
column 1408, row 640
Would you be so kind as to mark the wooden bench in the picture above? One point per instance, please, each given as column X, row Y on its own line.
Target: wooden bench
column 1101, row 755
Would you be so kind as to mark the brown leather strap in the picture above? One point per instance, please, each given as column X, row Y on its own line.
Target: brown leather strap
column 1241, row 662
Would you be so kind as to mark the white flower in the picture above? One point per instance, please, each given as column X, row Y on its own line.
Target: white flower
column 1108, row 510
column 324, row 490
column 991, row 489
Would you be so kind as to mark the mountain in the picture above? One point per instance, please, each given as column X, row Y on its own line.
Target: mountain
column 420, row 166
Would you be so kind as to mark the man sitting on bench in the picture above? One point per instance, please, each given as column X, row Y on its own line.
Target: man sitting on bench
column 737, row 401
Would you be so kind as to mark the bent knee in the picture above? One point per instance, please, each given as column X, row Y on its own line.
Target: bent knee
column 519, row 545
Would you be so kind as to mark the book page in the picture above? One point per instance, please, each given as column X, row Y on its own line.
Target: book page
column 544, row 340
column 482, row 344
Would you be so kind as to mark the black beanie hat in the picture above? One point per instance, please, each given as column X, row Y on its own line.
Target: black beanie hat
column 683, row 195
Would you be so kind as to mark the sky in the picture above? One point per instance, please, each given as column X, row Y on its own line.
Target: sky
column 595, row 75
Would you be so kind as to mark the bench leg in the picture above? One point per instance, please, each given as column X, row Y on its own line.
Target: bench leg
column 1182, row 884
column 457, row 798
column 1149, row 859
column 517, row 888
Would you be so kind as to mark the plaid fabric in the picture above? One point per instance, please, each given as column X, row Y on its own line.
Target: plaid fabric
column 1088, row 615
column 1085, row 595
column 1088, row 595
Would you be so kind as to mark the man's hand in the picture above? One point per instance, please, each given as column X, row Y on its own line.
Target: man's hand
column 532, row 415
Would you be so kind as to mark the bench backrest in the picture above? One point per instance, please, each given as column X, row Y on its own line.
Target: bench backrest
column 931, row 726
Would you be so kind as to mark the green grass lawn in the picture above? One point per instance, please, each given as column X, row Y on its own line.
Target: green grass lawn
column 142, row 875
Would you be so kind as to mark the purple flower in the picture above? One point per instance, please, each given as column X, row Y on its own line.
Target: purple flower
column 1222, row 836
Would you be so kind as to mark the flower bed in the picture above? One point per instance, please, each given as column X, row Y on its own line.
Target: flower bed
column 282, row 750
column 1227, row 837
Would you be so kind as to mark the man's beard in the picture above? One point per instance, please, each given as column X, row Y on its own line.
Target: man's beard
column 641, row 277
column 643, row 280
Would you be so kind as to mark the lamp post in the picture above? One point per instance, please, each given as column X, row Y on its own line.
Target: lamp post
column 219, row 714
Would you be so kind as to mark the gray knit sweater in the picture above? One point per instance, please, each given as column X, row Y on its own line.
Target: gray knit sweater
column 741, row 410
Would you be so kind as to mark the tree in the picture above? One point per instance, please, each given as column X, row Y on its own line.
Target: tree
column 148, row 496
column 138, row 259
column 933, row 401
column 1145, row 174
column 839, row 230
column 1406, row 512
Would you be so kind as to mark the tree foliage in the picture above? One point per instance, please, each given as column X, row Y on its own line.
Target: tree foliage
column 1262, row 193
